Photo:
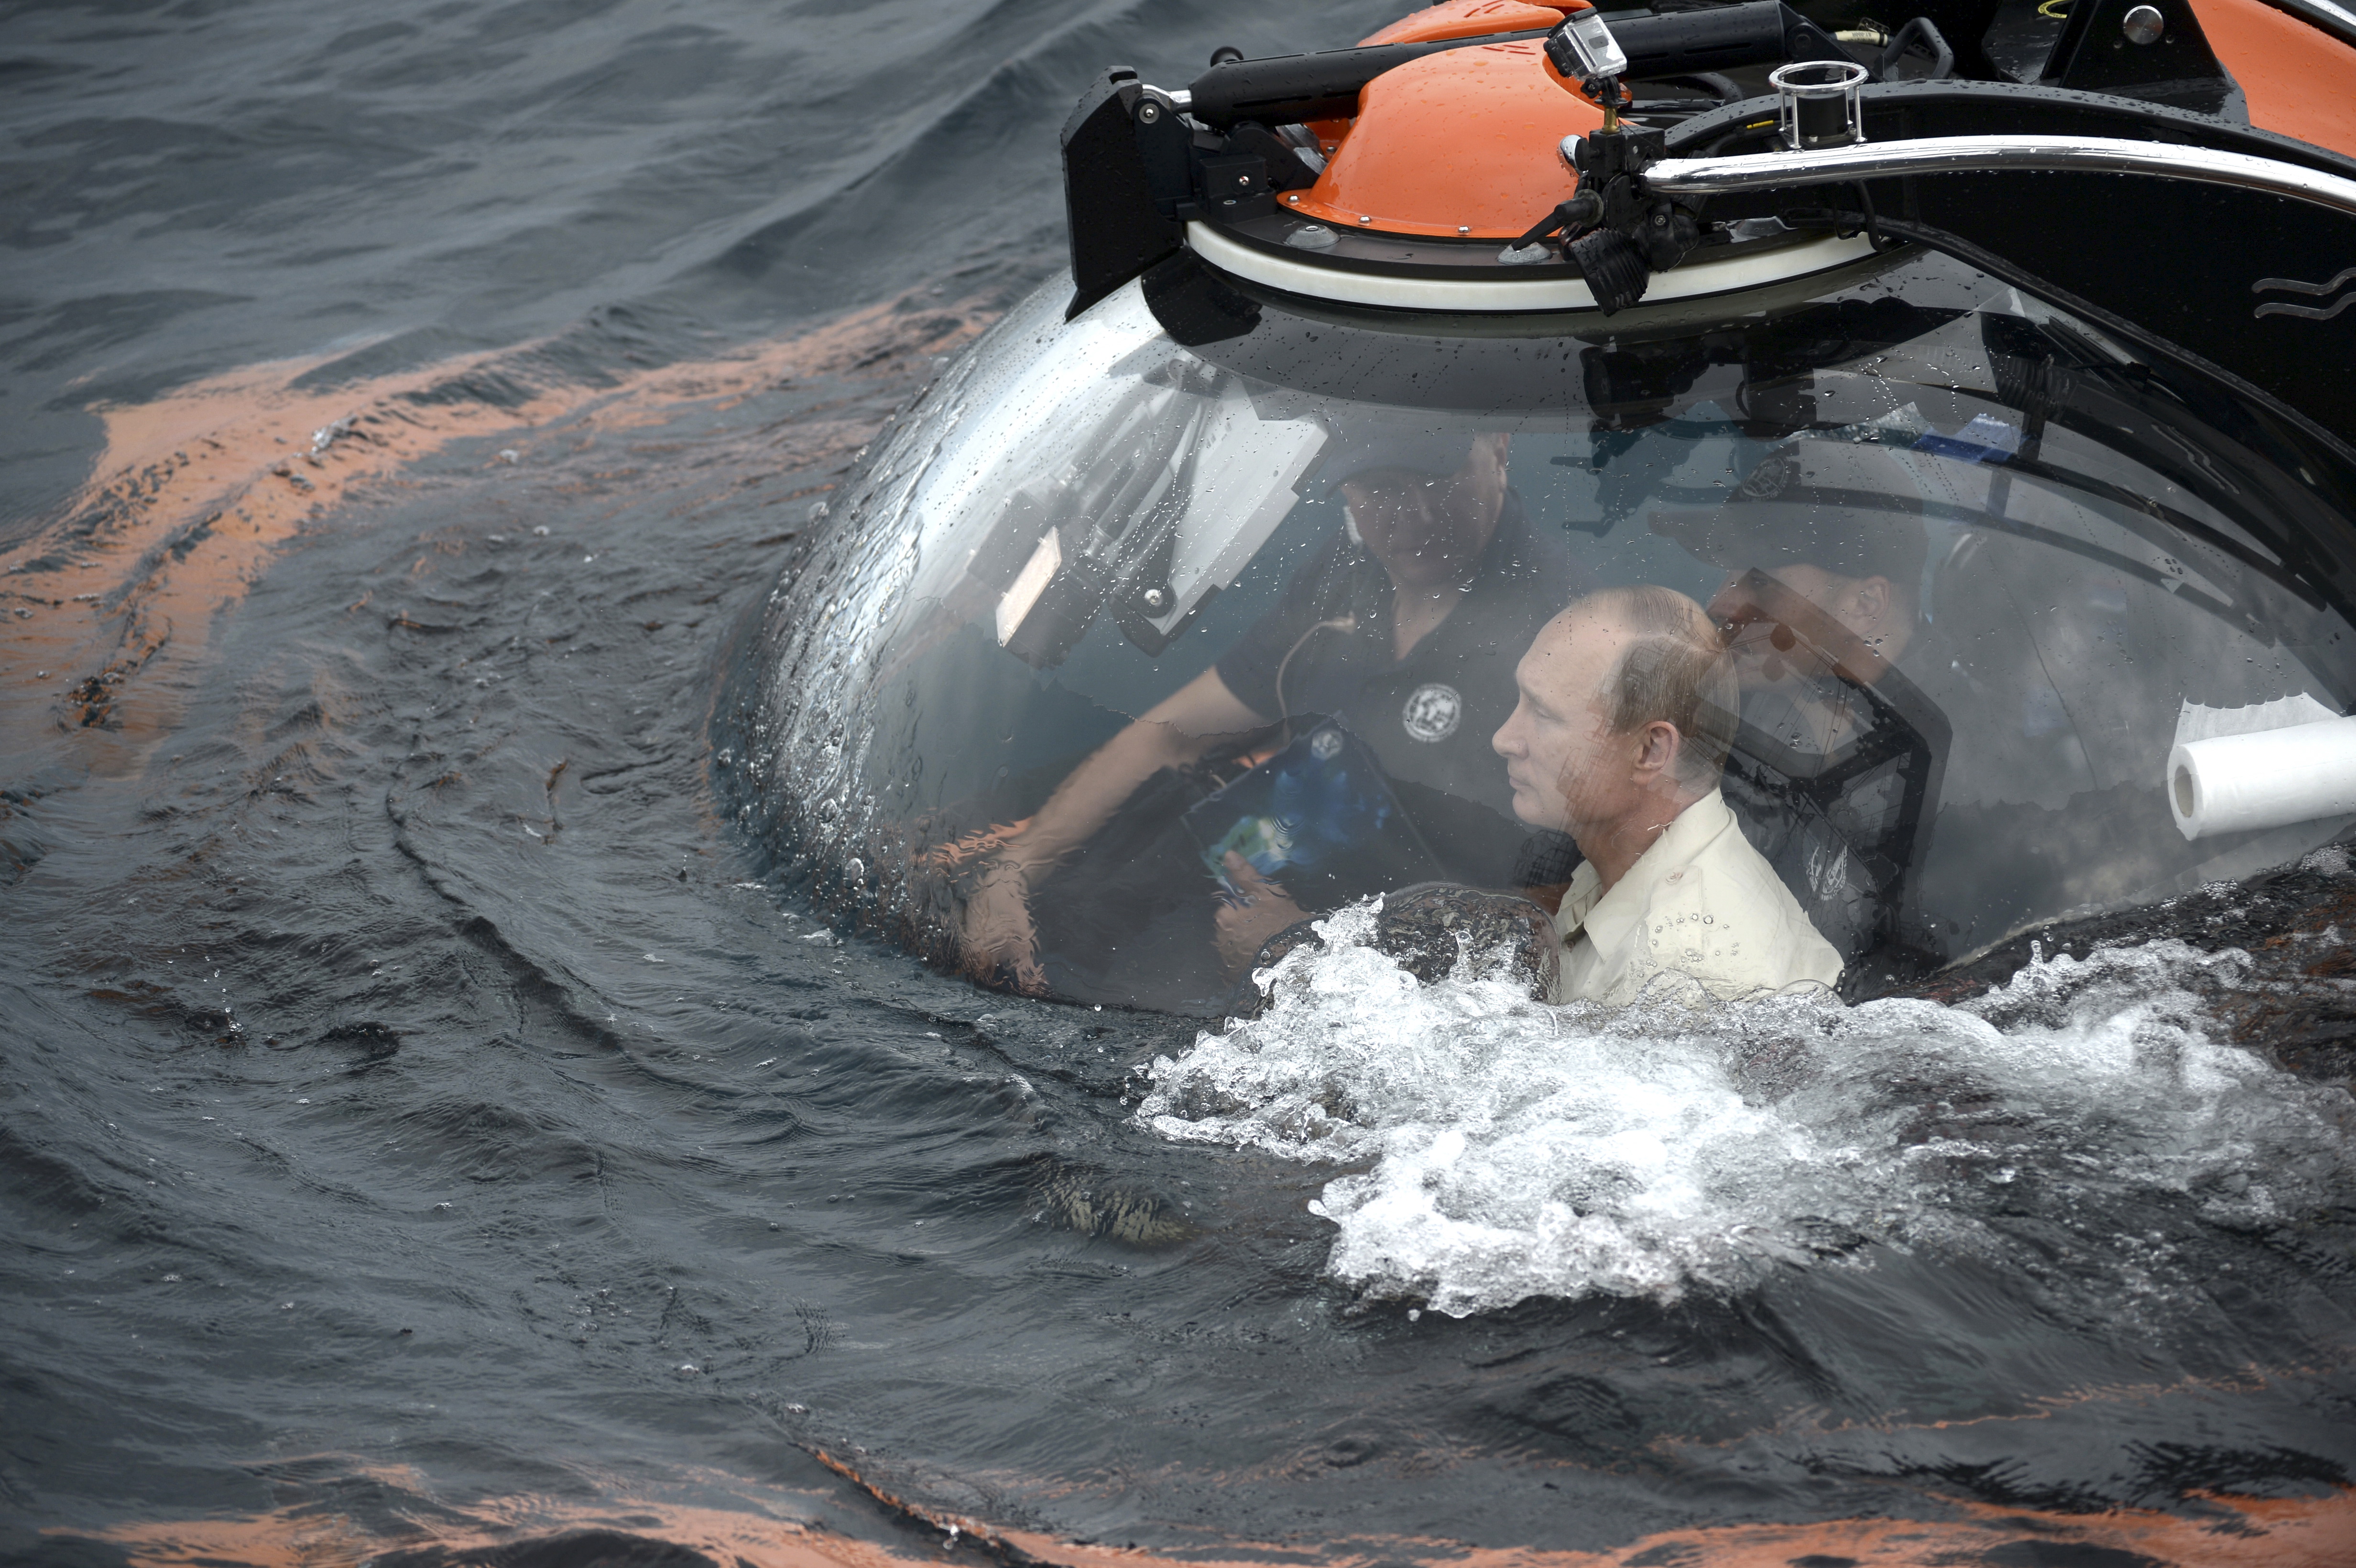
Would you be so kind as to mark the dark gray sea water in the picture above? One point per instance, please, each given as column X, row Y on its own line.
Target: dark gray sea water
column 428, row 1135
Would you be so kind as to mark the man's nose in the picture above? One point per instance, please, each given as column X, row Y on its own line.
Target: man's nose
column 1503, row 742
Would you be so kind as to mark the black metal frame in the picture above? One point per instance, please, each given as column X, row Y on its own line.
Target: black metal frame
column 1139, row 163
column 2180, row 272
column 2094, row 54
column 2169, row 266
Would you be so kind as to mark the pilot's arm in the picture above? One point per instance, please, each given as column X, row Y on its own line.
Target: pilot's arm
column 995, row 932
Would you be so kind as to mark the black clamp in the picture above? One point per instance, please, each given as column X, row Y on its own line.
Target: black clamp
column 1617, row 230
column 1196, row 172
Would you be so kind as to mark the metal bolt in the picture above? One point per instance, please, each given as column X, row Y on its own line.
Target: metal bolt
column 1660, row 221
column 1362, row 218
column 1149, row 112
column 1242, row 179
column 2144, row 25
column 1464, row 228
column 1157, row 599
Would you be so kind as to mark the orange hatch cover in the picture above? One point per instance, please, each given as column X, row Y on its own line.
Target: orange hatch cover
column 2299, row 81
column 1460, row 141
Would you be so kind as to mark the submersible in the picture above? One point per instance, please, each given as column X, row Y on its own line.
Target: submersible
column 2000, row 417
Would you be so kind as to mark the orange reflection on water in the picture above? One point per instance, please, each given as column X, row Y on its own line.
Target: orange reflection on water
column 766, row 1527
column 295, row 1538
column 2233, row 1532
column 110, row 608
column 2239, row 1532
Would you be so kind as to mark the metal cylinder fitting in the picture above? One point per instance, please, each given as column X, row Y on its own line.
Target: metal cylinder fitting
column 1819, row 103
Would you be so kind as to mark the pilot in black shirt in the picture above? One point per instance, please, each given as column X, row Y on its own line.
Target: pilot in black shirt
column 1328, row 648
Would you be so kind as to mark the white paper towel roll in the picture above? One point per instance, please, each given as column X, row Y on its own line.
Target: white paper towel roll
column 2272, row 778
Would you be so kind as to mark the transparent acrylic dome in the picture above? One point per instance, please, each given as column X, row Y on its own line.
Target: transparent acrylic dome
column 1200, row 575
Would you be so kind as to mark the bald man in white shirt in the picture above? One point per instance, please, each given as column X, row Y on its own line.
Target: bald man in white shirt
column 1627, row 705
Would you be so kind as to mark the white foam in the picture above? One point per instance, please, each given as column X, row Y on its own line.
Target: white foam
column 1498, row 1148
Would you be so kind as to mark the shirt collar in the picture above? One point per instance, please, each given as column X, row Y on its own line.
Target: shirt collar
column 1607, row 917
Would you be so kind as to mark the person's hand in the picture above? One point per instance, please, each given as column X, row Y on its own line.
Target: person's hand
column 1257, row 910
column 996, row 941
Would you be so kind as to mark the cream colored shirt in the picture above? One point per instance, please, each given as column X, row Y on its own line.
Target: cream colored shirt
column 1701, row 901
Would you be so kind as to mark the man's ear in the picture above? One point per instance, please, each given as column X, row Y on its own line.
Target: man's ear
column 1486, row 461
column 1873, row 597
column 1658, row 744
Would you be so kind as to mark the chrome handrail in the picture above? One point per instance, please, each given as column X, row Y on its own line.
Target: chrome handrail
column 1985, row 154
